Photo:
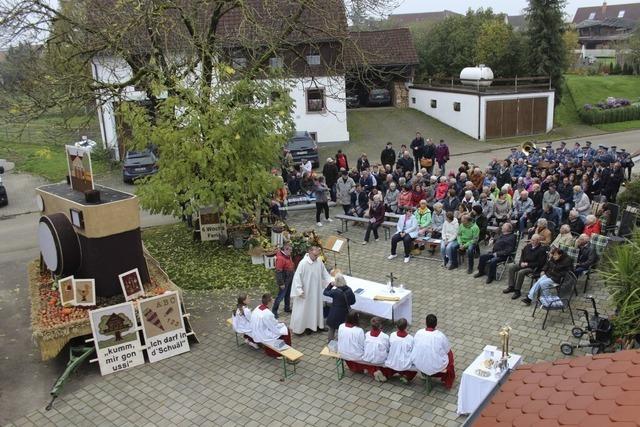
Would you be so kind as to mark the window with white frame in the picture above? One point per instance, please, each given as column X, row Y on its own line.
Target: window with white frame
column 276, row 62
column 315, row 100
column 313, row 58
column 592, row 16
column 621, row 14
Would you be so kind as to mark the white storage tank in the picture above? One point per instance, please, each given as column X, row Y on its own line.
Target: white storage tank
column 477, row 76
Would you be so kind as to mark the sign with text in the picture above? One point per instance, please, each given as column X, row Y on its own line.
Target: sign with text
column 211, row 226
column 163, row 326
column 115, row 335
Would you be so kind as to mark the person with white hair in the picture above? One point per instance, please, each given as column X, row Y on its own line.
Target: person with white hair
column 532, row 258
column 581, row 202
column 391, row 198
column 376, row 218
column 592, row 225
column 502, row 208
column 564, row 238
column 342, row 297
column 542, row 230
column 437, row 221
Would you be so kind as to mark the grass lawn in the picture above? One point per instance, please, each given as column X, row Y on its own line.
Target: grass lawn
column 37, row 147
column 593, row 89
column 204, row 265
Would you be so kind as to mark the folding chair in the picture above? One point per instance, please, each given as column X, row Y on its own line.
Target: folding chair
column 559, row 298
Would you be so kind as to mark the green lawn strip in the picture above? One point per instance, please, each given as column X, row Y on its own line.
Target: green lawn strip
column 594, row 89
column 204, row 265
column 47, row 161
column 619, row 126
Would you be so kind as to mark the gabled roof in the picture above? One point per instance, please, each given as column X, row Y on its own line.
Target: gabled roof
column 603, row 390
column 607, row 22
column 402, row 19
column 631, row 12
column 380, row 48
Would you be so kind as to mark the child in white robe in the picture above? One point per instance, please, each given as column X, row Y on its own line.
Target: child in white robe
column 265, row 327
column 400, row 346
column 376, row 349
column 241, row 320
column 351, row 342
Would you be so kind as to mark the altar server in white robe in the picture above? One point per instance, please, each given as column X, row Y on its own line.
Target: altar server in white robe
column 310, row 279
column 376, row 349
column 351, row 342
column 400, row 347
column 241, row 320
column 432, row 353
column 265, row 327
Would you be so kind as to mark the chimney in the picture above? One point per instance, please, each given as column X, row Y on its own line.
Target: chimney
column 604, row 9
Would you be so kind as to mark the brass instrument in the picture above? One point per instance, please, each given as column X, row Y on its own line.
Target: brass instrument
column 528, row 148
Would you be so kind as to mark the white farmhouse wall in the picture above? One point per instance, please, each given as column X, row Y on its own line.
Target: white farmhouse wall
column 465, row 120
column 550, row 106
column 329, row 125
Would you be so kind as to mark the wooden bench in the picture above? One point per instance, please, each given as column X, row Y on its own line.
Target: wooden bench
column 344, row 226
column 289, row 355
column 428, row 385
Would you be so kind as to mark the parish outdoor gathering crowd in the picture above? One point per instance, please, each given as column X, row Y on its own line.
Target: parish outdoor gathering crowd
column 544, row 197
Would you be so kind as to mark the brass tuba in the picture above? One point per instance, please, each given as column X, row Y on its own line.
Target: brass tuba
column 528, row 148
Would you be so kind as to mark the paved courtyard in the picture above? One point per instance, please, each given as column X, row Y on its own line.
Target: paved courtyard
column 220, row 384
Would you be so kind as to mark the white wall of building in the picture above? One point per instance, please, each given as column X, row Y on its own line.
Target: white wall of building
column 471, row 118
column 550, row 107
column 465, row 120
column 329, row 125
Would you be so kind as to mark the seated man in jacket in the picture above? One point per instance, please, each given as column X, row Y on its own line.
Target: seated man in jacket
column 503, row 246
column 522, row 209
column 532, row 259
column 553, row 272
column 587, row 256
column 406, row 231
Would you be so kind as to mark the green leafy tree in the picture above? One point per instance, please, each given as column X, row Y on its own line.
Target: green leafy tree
column 570, row 40
column 547, row 50
column 497, row 47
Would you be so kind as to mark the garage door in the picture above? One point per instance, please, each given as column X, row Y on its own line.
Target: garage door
column 514, row 117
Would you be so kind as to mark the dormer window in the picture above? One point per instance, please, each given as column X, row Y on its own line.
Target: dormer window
column 313, row 58
column 276, row 62
column 592, row 16
column 621, row 14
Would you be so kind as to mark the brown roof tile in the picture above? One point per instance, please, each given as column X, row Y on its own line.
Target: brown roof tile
column 383, row 47
column 632, row 12
column 603, row 390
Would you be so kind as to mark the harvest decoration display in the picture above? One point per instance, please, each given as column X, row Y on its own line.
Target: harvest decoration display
column 54, row 326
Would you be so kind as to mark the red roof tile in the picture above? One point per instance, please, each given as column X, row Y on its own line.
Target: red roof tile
column 603, row 390
column 381, row 47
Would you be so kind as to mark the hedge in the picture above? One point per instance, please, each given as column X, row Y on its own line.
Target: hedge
column 597, row 116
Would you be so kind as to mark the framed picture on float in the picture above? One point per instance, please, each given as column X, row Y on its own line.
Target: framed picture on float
column 85, row 291
column 66, row 289
column 131, row 284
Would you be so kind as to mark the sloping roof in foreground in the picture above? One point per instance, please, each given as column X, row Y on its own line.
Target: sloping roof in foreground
column 603, row 390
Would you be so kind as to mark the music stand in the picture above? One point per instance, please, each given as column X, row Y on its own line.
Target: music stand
column 336, row 244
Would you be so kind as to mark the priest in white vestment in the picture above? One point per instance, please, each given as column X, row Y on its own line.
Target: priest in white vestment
column 432, row 354
column 265, row 327
column 400, row 347
column 309, row 280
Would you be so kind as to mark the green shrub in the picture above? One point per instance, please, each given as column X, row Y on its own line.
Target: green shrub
column 631, row 194
column 596, row 116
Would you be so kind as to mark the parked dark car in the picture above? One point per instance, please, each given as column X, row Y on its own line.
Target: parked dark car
column 4, row 201
column 353, row 101
column 302, row 147
column 138, row 164
column 379, row 97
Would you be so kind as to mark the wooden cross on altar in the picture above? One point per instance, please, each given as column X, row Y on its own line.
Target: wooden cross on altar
column 391, row 277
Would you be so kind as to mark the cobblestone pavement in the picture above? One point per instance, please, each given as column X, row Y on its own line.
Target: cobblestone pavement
column 220, row 384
